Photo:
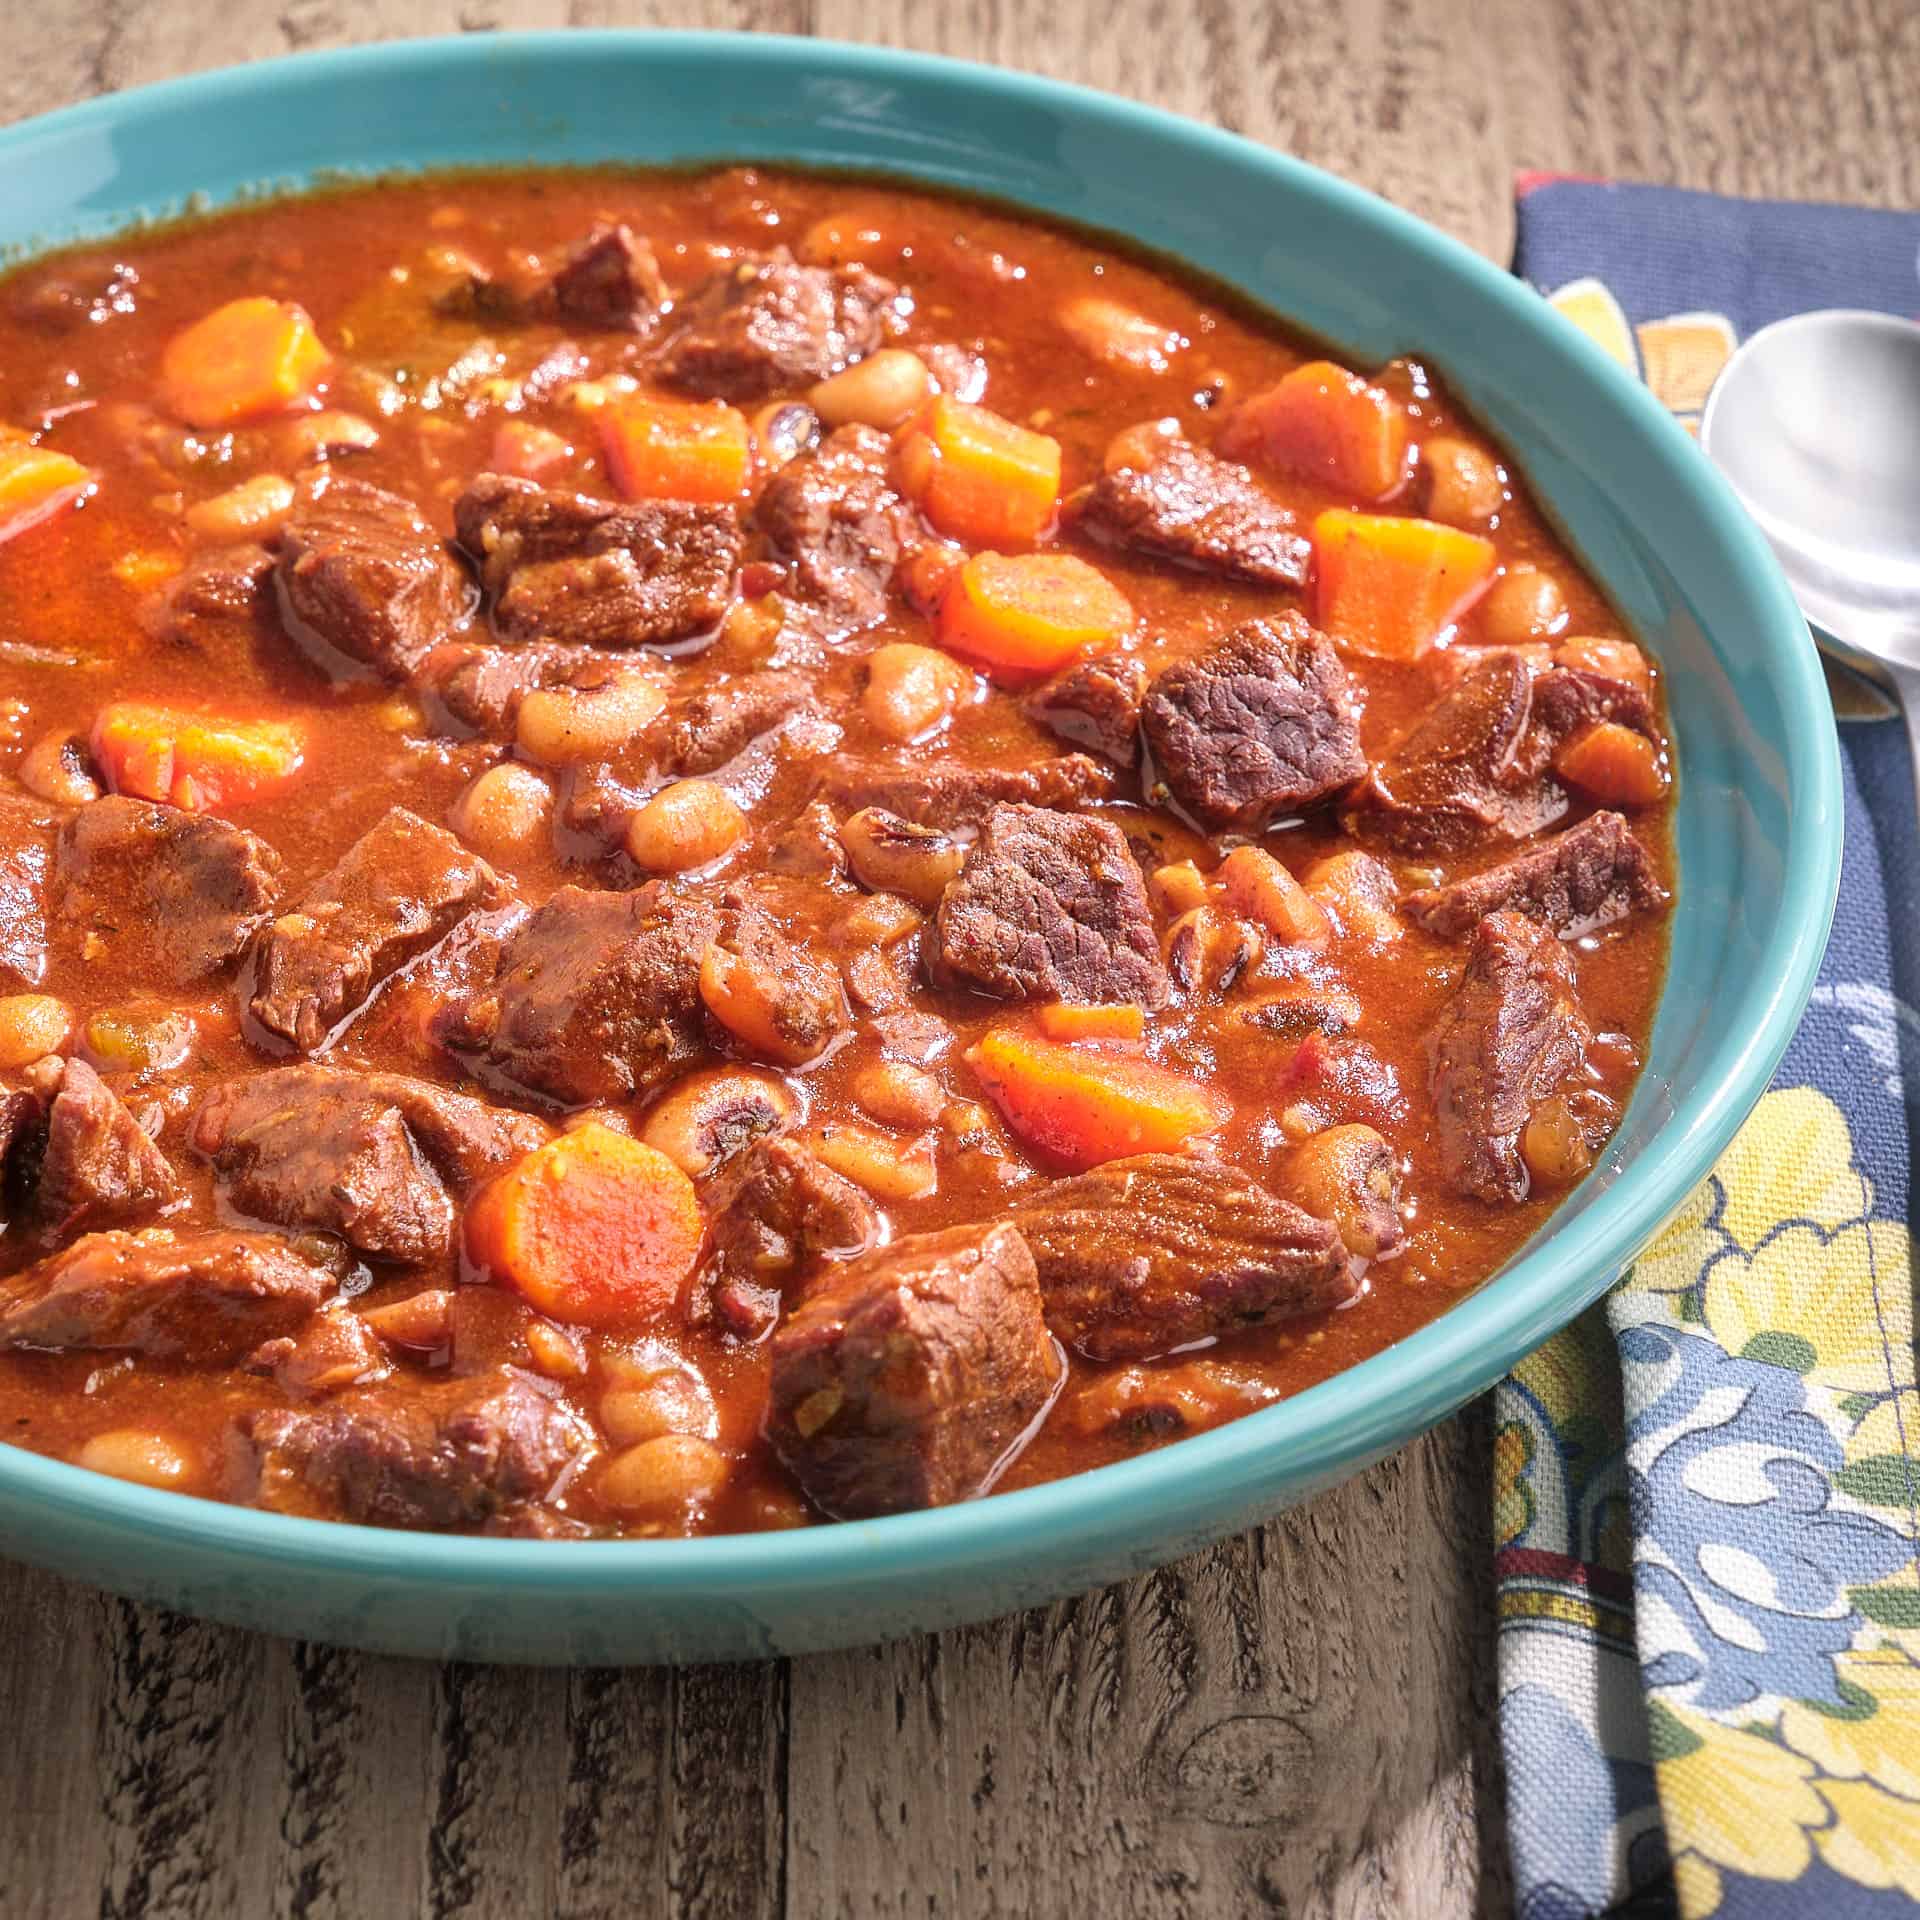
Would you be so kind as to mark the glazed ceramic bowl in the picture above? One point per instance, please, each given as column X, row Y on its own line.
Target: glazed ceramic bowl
column 1758, row 810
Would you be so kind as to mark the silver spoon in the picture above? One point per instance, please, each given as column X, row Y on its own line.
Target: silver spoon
column 1816, row 422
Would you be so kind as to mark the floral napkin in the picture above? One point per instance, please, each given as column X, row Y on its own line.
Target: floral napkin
column 1706, row 1491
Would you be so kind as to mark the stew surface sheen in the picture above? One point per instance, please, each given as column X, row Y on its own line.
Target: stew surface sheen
column 692, row 853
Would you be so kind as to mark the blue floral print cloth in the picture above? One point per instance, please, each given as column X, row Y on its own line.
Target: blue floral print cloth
column 1706, row 1491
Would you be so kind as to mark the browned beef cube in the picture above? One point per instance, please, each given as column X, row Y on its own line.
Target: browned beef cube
column 1199, row 511
column 908, row 1377
column 1578, row 881
column 594, row 997
column 364, row 582
column 774, row 1212
column 218, row 598
column 564, row 567
column 764, row 324
column 1264, row 722
column 950, row 793
column 834, row 521
column 1050, row 906
column 165, row 896
column 1475, row 769
column 459, row 1453
column 610, row 280
column 1095, row 704
column 335, row 1350
column 402, row 886
column 377, row 1158
column 210, row 1296
column 1141, row 1256
column 1512, row 1035
column 26, row 833
column 83, row 1161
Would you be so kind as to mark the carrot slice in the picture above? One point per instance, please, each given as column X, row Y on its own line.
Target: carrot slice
column 1391, row 587
column 595, row 1229
column 1023, row 615
column 1615, row 765
column 188, row 760
column 246, row 359
column 1325, row 424
column 676, row 449
column 35, row 483
column 1068, row 1020
column 1086, row 1104
column 978, row 476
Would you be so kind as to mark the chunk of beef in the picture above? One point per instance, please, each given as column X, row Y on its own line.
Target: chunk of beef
column 453, row 1454
column 477, row 689
column 949, row 793
column 1050, row 906
column 1096, row 705
column 81, row 1160
column 377, row 1158
column 1509, row 1037
column 165, row 896
column 775, row 1211
column 1199, row 511
column 364, row 581
column 1578, row 881
column 88, row 291
column 210, row 1296
column 220, row 595
column 26, row 833
column 1475, row 769
column 564, row 567
column 1333, row 1078
column 836, row 524
column 1265, row 721
column 402, row 886
column 1140, row 1256
column 910, row 1376
column 334, row 1350
column 764, row 324
column 610, row 280
column 1150, row 1403
column 594, row 997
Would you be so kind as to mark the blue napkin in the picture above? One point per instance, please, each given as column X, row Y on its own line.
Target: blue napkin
column 1707, row 1492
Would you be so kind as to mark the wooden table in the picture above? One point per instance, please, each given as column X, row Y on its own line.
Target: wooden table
column 1299, row 1722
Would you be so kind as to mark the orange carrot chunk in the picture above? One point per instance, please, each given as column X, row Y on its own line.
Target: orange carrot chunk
column 35, row 483
column 1085, row 1104
column 977, row 476
column 247, row 359
column 1326, row 424
column 1391, row 587
column 594, row 1228
column 1069, row 1020
column 1614, row 764
column 189, row 760
column 676, row 449
column 1023, row 615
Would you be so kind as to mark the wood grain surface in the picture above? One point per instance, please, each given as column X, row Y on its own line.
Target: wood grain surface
column 1298, row 1722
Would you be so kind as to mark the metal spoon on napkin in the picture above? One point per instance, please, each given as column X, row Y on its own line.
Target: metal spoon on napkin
column 1816, row 422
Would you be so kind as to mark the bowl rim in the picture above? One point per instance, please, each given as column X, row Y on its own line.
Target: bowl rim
column 1355, row 1414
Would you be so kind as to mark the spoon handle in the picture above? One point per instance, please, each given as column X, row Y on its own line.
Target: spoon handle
column 1906, row 685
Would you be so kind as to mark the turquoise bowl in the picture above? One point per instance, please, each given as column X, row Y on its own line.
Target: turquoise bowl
column 1758, row 824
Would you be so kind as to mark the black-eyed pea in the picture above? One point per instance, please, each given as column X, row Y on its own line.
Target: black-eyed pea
column 672, row 1400
column 1523, row 604
column 1348, row 1175
column 556, row 726
column 705, row 1119
column 885, row 390
column 891, row 855
column 897, row 1094
column 1465, row 484
column 507, row 810
column 147, row 1458
column 687, row 825
column 246, row 512
column 785, row 429
column 911, row 689
column 669, row 1477
column 555, row 1352
column 57, row 768
column 1554, row 1145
